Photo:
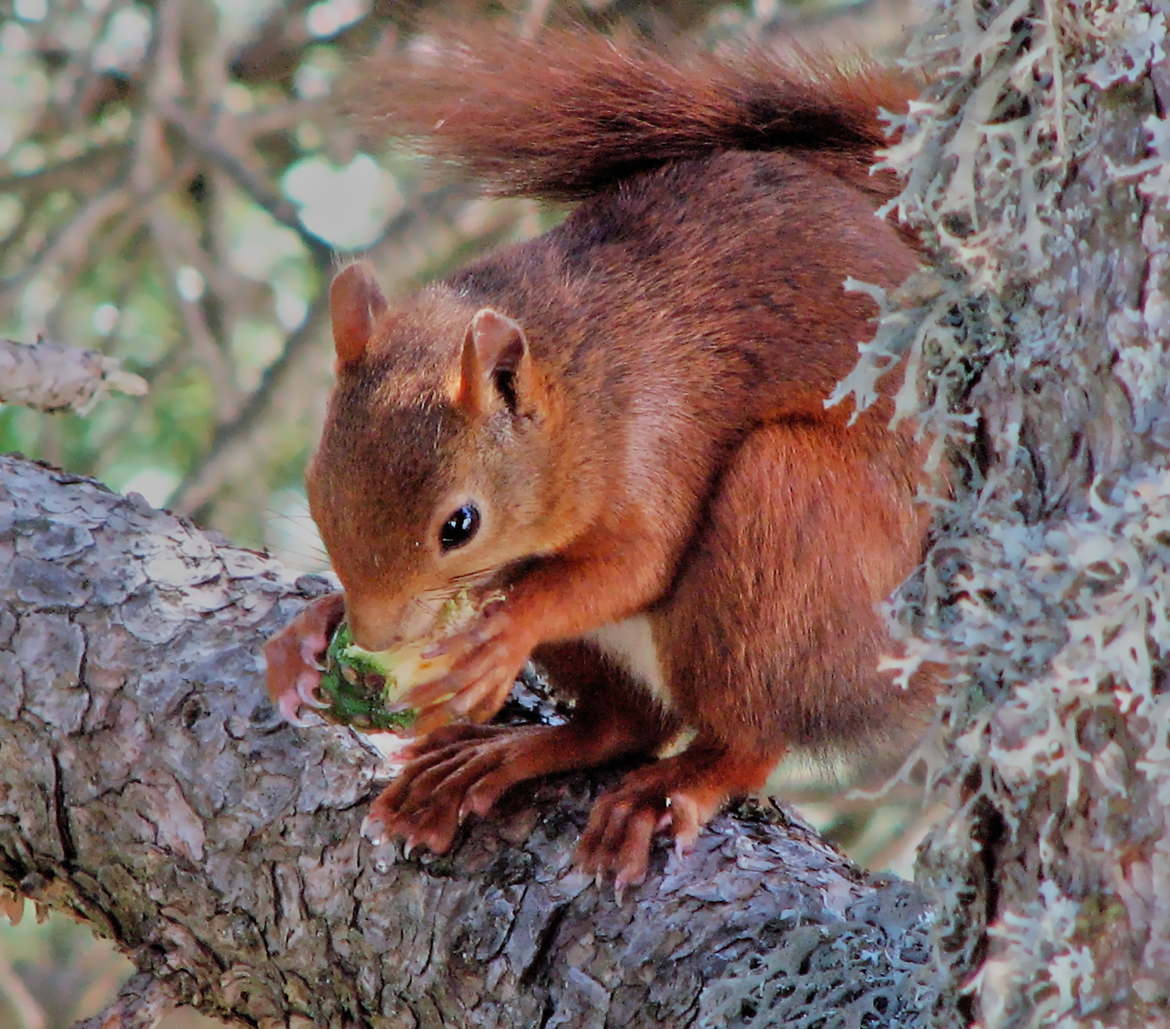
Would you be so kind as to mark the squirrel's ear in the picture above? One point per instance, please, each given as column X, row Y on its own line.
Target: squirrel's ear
column 355, row 303
column 496, row 365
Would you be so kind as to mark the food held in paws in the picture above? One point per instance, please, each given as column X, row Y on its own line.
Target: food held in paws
column 363, row 688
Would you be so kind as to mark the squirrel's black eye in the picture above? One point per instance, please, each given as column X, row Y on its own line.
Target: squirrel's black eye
column 460, row 527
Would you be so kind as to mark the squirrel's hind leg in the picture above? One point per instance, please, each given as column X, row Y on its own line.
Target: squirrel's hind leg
column 777, row 613
column 771, row 636
column 461, row 770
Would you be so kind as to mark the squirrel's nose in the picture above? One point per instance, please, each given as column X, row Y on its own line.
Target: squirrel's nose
column 378, row 623
column 371, row 629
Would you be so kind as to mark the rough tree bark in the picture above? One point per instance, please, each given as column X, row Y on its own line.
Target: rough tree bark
column 1037, row 171
column 148, row 788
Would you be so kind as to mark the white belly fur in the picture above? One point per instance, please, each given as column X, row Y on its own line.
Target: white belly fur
column 630, row 644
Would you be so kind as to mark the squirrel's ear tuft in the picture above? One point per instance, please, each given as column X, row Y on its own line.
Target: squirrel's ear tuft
column 496, row 365
column 355, row 304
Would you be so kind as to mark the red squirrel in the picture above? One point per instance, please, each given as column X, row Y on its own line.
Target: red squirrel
column 621, row 424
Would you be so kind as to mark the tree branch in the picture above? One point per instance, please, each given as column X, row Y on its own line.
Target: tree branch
column 55, row 377
column 147, row 787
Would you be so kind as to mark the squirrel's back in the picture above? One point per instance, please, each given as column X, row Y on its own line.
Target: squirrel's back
column 567, row 115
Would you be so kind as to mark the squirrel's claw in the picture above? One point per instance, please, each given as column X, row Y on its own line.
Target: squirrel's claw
column 312, row 649
column 307, row 689
column 289, row 706
column 374, row 829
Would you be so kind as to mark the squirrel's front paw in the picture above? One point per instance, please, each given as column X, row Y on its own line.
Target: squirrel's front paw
column 294, row 656
column 488, row 657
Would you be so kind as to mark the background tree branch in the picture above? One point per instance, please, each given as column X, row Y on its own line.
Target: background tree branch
column 53, row 377
column 148, row 788
column 179, row 181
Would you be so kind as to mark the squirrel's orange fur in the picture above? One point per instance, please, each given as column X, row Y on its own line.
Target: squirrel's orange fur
column 634, row 403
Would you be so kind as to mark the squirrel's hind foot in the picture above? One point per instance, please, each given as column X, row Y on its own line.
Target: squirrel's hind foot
column 677, row 795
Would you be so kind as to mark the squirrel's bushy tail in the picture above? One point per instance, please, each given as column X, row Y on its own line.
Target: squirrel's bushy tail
column 568, row 114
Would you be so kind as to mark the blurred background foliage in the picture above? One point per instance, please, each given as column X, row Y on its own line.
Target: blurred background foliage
column 177, row 186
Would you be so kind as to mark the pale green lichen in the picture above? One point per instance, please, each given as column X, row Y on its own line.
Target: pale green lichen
column 1038, row 172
